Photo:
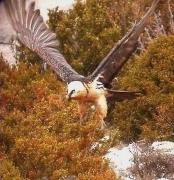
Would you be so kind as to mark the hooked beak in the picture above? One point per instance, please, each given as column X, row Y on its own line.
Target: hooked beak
column 68, row 97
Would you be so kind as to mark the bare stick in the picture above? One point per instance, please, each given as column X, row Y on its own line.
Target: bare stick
column 148, row 34
column 141, row 43
column 160, row 30
column 171, row 16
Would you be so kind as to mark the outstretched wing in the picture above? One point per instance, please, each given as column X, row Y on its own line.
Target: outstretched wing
column 33, row 33
column 113, row 62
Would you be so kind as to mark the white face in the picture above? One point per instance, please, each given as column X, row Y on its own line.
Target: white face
column 75, row 89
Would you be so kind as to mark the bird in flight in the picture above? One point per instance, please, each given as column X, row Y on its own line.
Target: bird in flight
column 95, row 88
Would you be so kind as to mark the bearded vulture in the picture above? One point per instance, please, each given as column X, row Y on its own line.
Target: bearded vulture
column 34, row 34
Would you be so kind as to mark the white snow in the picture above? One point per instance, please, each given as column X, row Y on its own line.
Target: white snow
column 8, row 54
column 121, row 159
column 165, row 146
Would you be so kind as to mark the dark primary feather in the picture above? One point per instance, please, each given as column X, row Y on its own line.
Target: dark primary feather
column 33, row 33
column 113, row 62
column 119, row 96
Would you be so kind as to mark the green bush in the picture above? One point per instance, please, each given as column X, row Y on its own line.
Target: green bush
column 150, row 116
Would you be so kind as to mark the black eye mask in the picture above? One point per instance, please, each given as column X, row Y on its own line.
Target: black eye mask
column 71, row 93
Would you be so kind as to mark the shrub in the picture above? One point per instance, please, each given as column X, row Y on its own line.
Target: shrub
column 8, row 170
column 40, row 132
column 152, row 73
column 152, row 164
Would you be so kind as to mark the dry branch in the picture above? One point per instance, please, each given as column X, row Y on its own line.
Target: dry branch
column 171, row 17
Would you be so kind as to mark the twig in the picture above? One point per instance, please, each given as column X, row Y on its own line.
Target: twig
column 159, row 26
column 148, row 34
column 171, row 16
column 4, row 43
column 141, row 43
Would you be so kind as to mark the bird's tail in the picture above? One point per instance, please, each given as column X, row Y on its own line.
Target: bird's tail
column 118, row 96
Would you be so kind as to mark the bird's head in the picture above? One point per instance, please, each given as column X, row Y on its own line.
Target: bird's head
column 76, row 90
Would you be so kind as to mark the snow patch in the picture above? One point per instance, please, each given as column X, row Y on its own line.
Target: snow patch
column 121, row 159
column 164, row 146
column 8, row 54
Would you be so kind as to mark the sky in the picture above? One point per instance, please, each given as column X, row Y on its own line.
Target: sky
column 49, row 4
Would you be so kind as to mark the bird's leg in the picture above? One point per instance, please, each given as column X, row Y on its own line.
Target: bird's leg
column 101, row 110
column 82, row 111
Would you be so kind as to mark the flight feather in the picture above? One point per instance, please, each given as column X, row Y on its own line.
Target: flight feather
column 34, row 33
column 111, row 65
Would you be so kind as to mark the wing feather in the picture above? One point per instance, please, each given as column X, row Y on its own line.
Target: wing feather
column 33, row 33
column 119, row 96
column 111, row 65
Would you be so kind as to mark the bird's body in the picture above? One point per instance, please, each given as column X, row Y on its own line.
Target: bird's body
column 91, row 92
column 33, row 33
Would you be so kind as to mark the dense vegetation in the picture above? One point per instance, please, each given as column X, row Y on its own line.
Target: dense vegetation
column 40, row 134
column 150, row 116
